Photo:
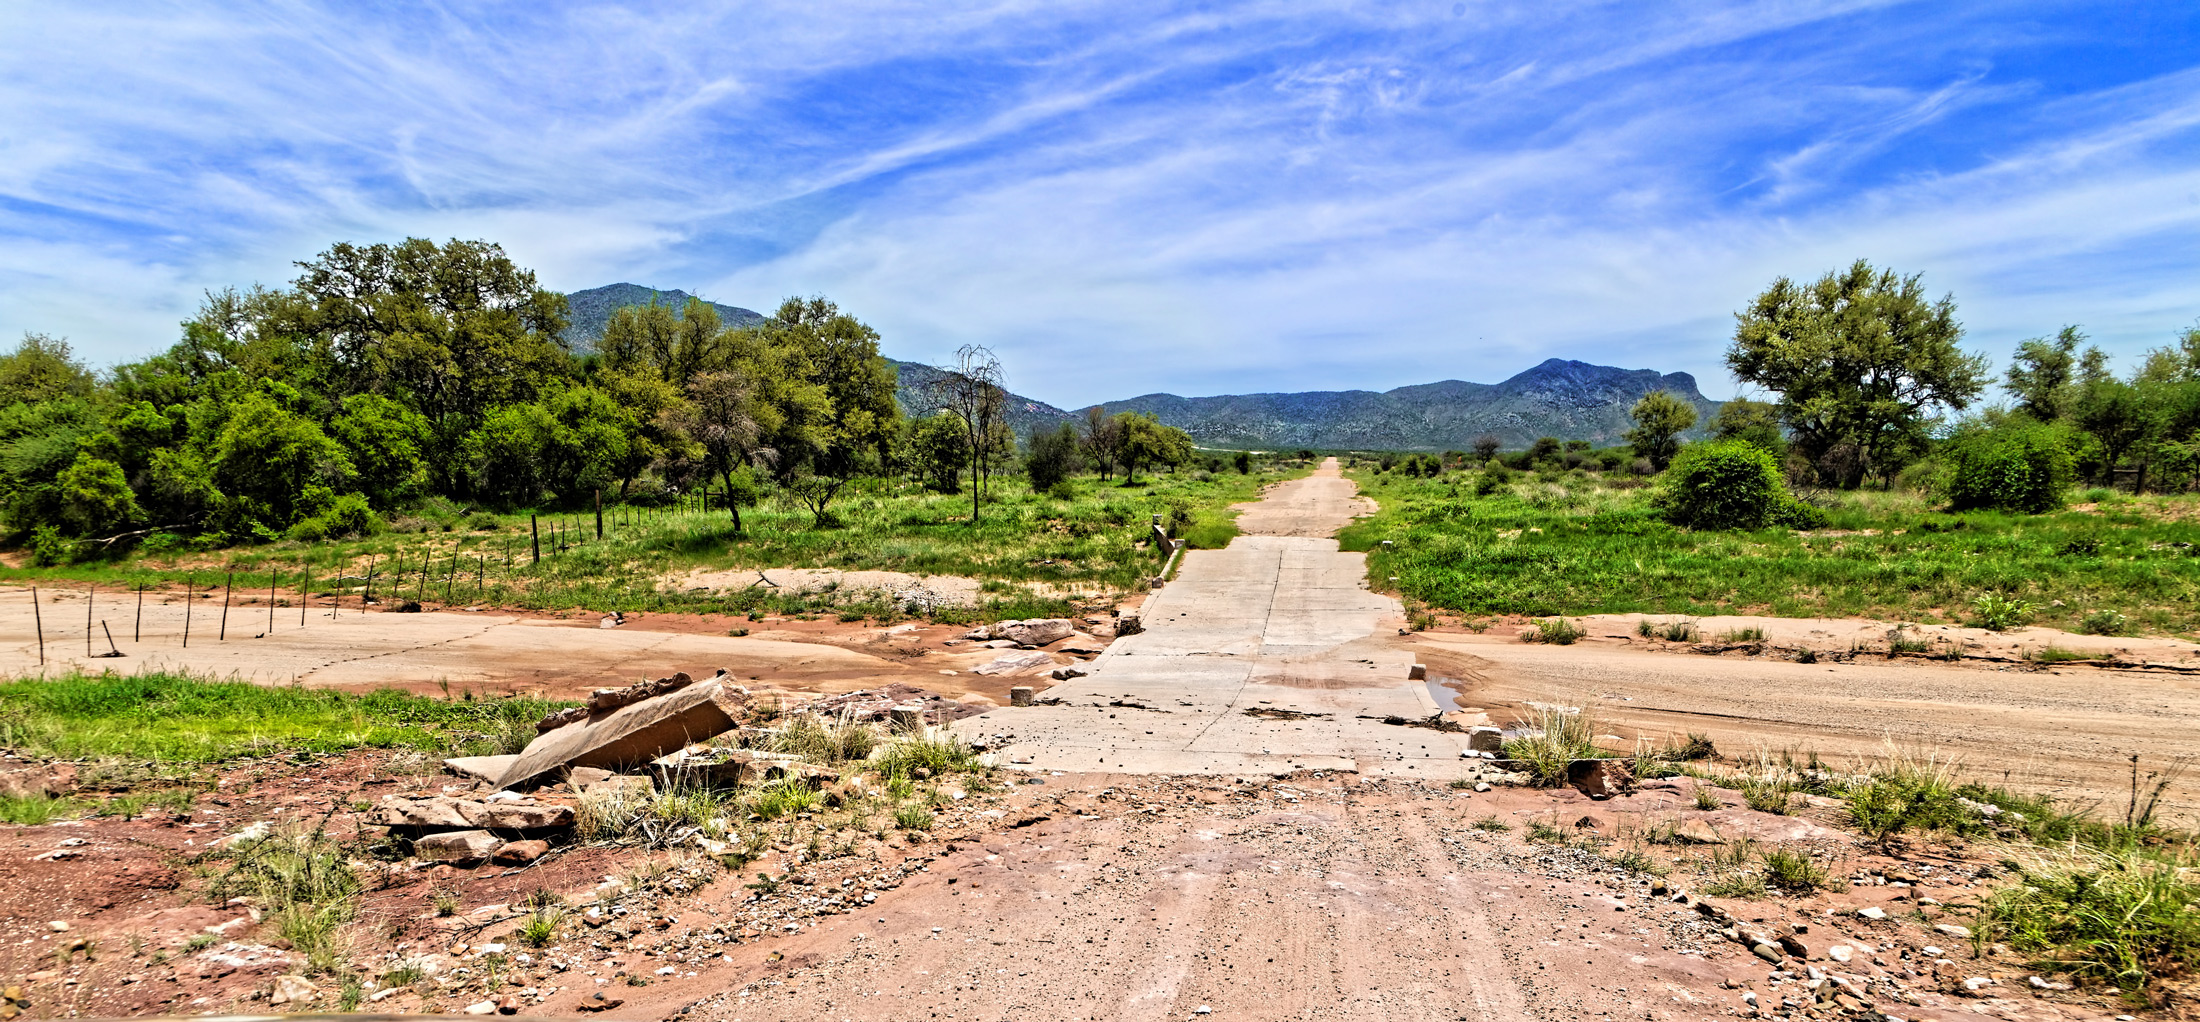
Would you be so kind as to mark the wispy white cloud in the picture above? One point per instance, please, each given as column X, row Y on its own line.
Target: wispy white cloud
column 1120, row 197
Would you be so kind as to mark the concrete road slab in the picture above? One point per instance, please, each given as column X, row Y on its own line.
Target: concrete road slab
column 1255, row 660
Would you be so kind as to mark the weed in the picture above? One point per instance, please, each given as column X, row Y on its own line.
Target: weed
column 1708, row 800
column 1768, row 796
column 1683, row 630
column 1740, row 636
column 1793, row 872
column 1493, row 824
column 541, row 926
column 936, row 757
column 1635, row 860
column 1551, row 738
column 2058, row 655
column 2126, row 917
column 404, row 974
column 349, row 993
column 445, row 902
column 33, row 810
column 1540, row 832
column 129, row 807
column 819, row 740
column 1739, row 884
column 784, row 798
column 1557, row 631
column 1644, row 628
column 912, row 817
column 2000, row 613
column 198, row 942
column 764, row 883
column 1808, row 656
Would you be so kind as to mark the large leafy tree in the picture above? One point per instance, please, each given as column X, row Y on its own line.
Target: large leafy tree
column 1862, row 362
column 1660, row 419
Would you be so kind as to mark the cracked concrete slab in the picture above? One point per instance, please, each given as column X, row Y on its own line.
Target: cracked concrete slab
column 1279, row 620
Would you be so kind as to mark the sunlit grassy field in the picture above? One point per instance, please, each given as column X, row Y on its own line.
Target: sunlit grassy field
column 1576, row 544
column 1090, row 541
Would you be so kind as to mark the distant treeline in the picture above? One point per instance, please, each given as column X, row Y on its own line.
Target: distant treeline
column 388, row 374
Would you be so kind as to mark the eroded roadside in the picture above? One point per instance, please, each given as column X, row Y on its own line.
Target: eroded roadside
column 1090, row 896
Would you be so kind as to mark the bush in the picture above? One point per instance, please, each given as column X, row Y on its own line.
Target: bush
column 2021, row 467
column 1052, row 457
column 1493, row 477
column 2124, row 918
column 1730, row 484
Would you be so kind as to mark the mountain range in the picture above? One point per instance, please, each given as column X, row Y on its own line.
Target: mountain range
column 1562, row 398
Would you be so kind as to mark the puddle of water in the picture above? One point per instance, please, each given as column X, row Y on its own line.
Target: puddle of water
column 1447, row 694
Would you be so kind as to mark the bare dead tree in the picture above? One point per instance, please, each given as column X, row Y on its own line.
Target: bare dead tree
column 971, row 390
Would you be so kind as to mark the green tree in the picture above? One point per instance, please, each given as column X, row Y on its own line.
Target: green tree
column 2044, row 376
column 266, row 456
column 1052, row 456
column 939, row 447
column 2016, row 466
column 587, row 448
column 505, row 454
column 1660, row 418
column 42, row 368
column 1752, row 422
column 720, row 417
column 95, row 498
column 1729, row 484
column 454, row 329
column 1861, row 361
column 387, row 444
column 1145, row 441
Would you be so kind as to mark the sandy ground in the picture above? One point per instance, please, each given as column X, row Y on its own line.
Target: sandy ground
column 1094, row 896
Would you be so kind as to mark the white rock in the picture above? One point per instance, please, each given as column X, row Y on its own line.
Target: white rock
column 1952, row 930
column 486, row 1007
column 1871, row 912
column 290, row 989
column 1840, row 952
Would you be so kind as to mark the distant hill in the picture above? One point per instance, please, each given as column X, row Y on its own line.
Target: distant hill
column 1562, row 398
column 593, row 308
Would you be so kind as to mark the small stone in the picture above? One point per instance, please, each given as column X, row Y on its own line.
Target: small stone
column 1840, row 953
column 1768, row 953
column 1872, row 912
column 58, row 926
column 481, row 1008
column 1952, row 930
column 519, row 853
column 294, row 989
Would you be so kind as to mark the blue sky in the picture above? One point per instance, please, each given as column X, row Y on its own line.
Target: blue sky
column 1125, row 197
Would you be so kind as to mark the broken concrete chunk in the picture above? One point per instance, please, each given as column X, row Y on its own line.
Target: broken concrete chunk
column 1129, row 623
column 442, row 812
column 1065, row 673
column 1485, row 739
column 1020, row 695
column 457, row 845
column 290, row 989
column 633, row 734
column 1016, row 662
column 479, row 768
column 613, row 698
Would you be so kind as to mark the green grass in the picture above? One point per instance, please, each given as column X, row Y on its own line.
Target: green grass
column 185, row 719
column 1087, row 539
column 2125, row 918
column 1579, row 546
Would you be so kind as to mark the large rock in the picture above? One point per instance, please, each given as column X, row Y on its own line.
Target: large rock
column 1036, row 631
column 457, row 845
column 631, row 735
column 442, row 812
column 1600, row 778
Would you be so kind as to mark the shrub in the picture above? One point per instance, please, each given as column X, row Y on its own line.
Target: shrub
column 1557, row 631
column 2022, row 467
column 1493, row 477
column 1768, row 796
column 1551, row 738
column 1730, row 484
column 2102, row 622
